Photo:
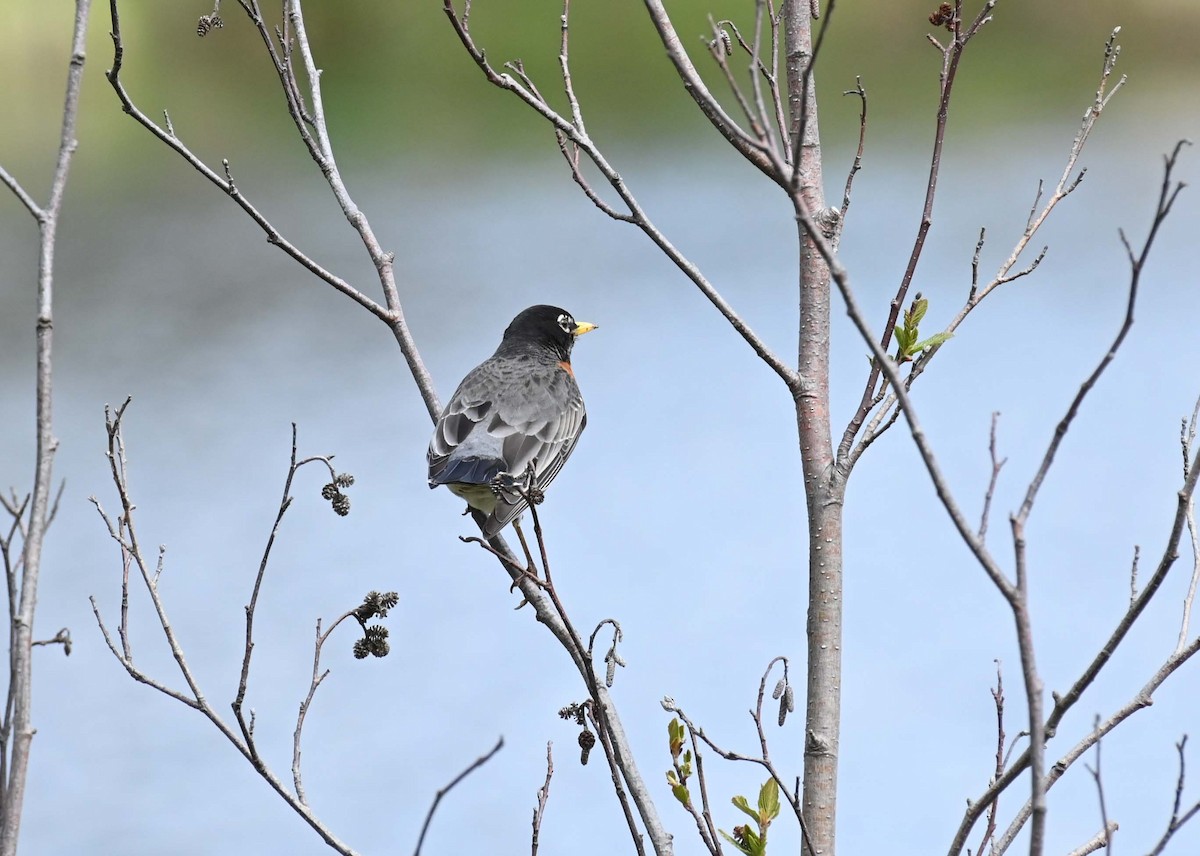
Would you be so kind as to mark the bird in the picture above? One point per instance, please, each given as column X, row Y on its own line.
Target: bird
column 521, row 406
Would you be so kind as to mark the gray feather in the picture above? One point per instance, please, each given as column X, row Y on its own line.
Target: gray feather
column 505, row 415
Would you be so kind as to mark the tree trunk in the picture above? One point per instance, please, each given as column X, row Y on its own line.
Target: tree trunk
column 823, row 488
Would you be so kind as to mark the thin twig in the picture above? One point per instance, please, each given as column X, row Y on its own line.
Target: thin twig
column 848, row 453
column 1097, row 777
column 124, row 532
column 636, row 214
column 318, row 677
column 694, row 85
column 1187, row 438
column 320, row 149
column 1177, row 819
column 997, row 465
column 793, row 796
column 437, row 799
column 951, row 57
column 862, row 142
column 1062, row 703
column 543, row 795
column 998, row 700
column 1140, row 701
column 607, row 725
column 284, row 504
column 1100, row 839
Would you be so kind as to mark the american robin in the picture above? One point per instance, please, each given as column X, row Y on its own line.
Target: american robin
column 520, row 406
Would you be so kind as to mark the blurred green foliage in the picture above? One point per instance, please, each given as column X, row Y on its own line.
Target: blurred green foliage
column 396, row 79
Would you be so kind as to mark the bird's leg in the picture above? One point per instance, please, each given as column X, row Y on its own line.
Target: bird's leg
column 530, row 570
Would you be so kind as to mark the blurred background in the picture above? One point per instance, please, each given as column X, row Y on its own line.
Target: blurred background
column 681, row 513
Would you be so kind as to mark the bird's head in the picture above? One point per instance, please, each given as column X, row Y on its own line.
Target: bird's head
column 548, row 327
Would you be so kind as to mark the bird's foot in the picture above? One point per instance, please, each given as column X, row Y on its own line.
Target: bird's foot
column 505, row 485
column 526, row 574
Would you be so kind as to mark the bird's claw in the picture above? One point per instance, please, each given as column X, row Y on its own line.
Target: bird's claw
column 526, row 574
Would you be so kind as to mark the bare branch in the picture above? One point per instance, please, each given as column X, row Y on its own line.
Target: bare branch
column 543, row 795
column 1143, row 699
column 321, row 150
column 1097, row 777
column 318, row 677
column 16, row 736
column 124, row 532
column 694, row 85
column 22, row 195
column 997, row 465
column 574, row 131
column 1167, row 195
column 284, row 504
column 759, row 124
column 998, row 699
column 1177, row 819
column 1133, row 573
column 1064, row 702
column 62, row 637
column 471, row 768
column 862, row 141
column 1100, row 839
column 1004, row 274
column 1187, row 438
column 951, row 57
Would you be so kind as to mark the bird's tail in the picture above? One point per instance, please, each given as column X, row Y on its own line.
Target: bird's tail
column 468, row 470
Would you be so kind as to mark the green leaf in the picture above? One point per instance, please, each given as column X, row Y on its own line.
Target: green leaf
column 675, row 735
column 935, row 339
column 672, row 779
column 743, row 805
column 768, row 802
column 903, row 338
column 681, row 794
column 914, row 315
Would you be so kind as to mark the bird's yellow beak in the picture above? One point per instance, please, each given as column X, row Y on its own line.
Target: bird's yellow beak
column 582, row 327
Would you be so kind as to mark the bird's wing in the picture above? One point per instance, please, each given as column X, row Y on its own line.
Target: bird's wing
column 516, row 420
column 455, row 434
column 543, row 427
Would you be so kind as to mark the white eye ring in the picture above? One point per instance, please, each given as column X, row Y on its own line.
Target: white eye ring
column 567, row 323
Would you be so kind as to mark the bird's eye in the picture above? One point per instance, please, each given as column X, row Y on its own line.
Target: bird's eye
column 567, row 323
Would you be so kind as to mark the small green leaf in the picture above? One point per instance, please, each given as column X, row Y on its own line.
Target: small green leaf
column 768, row 802
column 675, row 736
column 903, row 339
column 914, row 315
column 935, row 339
column 743, row 805
column 681, row 794
column 672, row 779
